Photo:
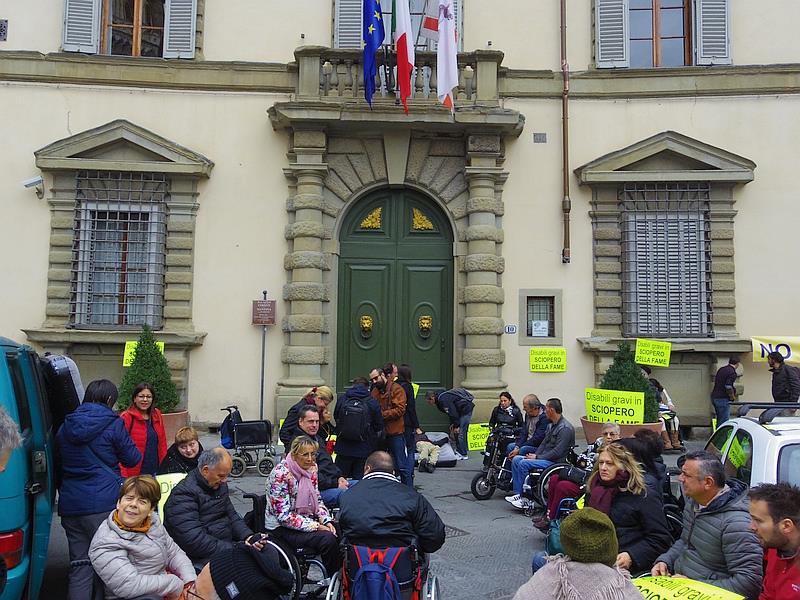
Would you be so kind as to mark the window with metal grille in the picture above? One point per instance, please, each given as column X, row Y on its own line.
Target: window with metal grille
column 119, row 249
column 541, row 316
column 666, row 260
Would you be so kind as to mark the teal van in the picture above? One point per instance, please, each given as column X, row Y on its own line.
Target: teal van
column 27, row 486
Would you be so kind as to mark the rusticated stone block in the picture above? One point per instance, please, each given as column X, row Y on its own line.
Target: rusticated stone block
column 304, row 138
column 304, row 229
column 608, row 318
column 306, row 201
column 720, row 266
column 607, row 233
column 173, row 294
column 374, row 150
column 608, row 267
column 483, row 357
column 335, row 184
column 59, row 291
column 306, row 291
column 444, row 147
column 484, row 143
column 605, row 284
column 306, row 323
column 490, row 294
column 484, row 262
column 179, row 243
column 61, row 239
column 60, row 257
column 485, row 204
column 719, row 284
column 482, row 326
column 607, row 250
column 177, row 312
column 720, row 250
column 178, row 277
column 57, row 309
column 305, row 259
column 724, row 318
column 607, row 301
column 721, row 234
column 484, row 232
column 178, row 260
column 59, row 275
column 62, row 221
column 340, row 164
column 303, row 355
column 724, row 301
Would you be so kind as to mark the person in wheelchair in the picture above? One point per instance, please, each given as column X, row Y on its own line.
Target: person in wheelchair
column 506, row 412
column 534, row 427
column 295, row 512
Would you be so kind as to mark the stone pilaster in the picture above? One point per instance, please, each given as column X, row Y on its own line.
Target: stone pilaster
column 306, row 294
column 482, row 356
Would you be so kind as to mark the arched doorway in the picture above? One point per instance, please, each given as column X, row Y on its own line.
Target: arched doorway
column 395, row 293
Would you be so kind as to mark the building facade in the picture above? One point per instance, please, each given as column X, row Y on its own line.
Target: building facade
column 197, row 152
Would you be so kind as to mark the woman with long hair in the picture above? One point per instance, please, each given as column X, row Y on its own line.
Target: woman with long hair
column 617, row 488
column 506, row 412
column 145, row 425
column 132, row 552
column 295, row 511
column 90, row 447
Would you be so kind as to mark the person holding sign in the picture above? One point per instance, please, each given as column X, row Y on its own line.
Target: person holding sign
column 717, row 545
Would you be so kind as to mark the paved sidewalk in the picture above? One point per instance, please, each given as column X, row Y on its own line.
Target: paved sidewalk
column 489, row 544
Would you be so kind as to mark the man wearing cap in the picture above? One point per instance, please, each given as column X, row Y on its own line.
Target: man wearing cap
column 243, row 573
column 534, row 429
column 587, row 571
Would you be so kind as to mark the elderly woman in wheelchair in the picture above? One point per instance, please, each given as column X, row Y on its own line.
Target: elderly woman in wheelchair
column 295, row 512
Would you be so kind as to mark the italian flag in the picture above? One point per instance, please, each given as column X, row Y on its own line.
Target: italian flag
column 404, row 43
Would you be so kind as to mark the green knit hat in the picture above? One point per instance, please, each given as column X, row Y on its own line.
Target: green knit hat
column 588, row 536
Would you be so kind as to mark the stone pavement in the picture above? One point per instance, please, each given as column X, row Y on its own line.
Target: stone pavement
column 487, row 554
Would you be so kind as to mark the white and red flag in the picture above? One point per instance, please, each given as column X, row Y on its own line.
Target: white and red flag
column 446, row 61
column 429, row 28
column 404, row 43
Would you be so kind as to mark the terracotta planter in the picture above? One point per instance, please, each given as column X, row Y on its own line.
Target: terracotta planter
column 174, row 421
column 593, row 430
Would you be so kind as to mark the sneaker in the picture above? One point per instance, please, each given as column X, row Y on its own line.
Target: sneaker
column 458, row 456
column 522, row 503
column 513, row 498
column 463, row 457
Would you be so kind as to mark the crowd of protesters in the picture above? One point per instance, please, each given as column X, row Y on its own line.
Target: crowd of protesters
column 746, row 541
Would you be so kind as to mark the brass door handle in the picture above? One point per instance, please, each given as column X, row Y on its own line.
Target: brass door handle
column 365, row 324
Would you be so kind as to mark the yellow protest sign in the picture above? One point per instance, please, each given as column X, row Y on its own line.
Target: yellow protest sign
column 548, row 359
column 476, row 436
column 653, row 352
column 788, row 346
column 664, row 588
column 615, row 406
column 130, row 347
column 736, row 454
column 167, row 482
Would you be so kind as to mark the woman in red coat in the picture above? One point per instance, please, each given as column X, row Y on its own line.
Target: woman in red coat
column 144, row 424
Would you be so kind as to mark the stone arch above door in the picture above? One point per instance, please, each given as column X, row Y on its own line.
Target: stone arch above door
column 327, row 173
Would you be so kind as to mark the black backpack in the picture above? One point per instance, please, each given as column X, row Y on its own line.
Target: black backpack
column 352, row 424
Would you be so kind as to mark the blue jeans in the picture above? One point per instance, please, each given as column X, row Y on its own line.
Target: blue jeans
column 331, row 496
column 411, row 448
column 520, row 467
column 396, row 445
column 463, row 429
column 522, row 451
column 539, row 560
column 722, row 406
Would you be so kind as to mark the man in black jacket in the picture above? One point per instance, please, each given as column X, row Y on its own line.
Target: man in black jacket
column 785, row 379
column 457, row 404
column 330, row 480
column 199, row 514
column 289, row 429
column 381, row 512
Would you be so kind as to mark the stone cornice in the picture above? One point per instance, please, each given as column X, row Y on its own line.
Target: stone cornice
column 152, row 73
column 720, row 345
column 83, row 336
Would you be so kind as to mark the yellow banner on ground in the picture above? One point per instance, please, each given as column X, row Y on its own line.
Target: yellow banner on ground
column 788, row 346
column 130, row 347
column 476, row 436
column 653, row 352
column 548, row 359
column 167, row 482
column 664, row 588
column 615, row 406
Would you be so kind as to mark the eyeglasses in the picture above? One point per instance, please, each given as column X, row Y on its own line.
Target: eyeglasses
column 308, row 454
column 609, row 434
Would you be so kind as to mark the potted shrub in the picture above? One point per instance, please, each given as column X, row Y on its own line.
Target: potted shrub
column 625, row 375
column 150, row 365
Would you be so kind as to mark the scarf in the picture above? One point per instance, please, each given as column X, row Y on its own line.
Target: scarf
column 603, row 492
column 306, row 501
column 143, row 528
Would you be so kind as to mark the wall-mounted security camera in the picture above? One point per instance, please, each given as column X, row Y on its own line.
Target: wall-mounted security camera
column 37, row 183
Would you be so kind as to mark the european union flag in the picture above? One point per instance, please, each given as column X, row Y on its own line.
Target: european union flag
column 372, row 36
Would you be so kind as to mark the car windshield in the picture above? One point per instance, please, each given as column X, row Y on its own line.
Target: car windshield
column 789, row 464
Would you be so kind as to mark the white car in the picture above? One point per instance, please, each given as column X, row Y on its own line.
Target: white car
column 759, row 449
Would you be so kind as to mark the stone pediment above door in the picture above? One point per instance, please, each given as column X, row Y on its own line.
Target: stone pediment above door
column 121, row 145
column 667, row 156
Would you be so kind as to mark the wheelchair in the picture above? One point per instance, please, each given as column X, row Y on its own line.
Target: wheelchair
column 310, row 576
column 411, row 570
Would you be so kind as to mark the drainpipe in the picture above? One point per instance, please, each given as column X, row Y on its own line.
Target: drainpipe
column 566, row 203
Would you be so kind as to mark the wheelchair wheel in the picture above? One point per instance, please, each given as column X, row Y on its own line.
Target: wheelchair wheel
column 430, row 589
column 289, row 562
column 239, row 466
column 335, row 587
column 544, row 481
column 265, row 466
column 481, row 488
column 674, row 518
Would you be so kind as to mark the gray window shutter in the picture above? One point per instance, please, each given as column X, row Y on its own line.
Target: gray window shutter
column 82, row 26
column 612, row 46
column 180, row 24
column 347, row 28
column 712, row 32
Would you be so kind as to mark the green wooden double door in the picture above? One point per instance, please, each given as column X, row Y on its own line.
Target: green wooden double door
column 395, row 293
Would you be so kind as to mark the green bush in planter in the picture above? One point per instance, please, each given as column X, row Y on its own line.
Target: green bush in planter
column 625, row 375
column 149, row 365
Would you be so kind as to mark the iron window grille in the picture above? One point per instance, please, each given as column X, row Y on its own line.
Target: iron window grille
column 118, row 253
column 541, row 308
column 666, row 260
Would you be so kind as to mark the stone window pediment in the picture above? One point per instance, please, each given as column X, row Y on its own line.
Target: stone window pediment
column 667, row 156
